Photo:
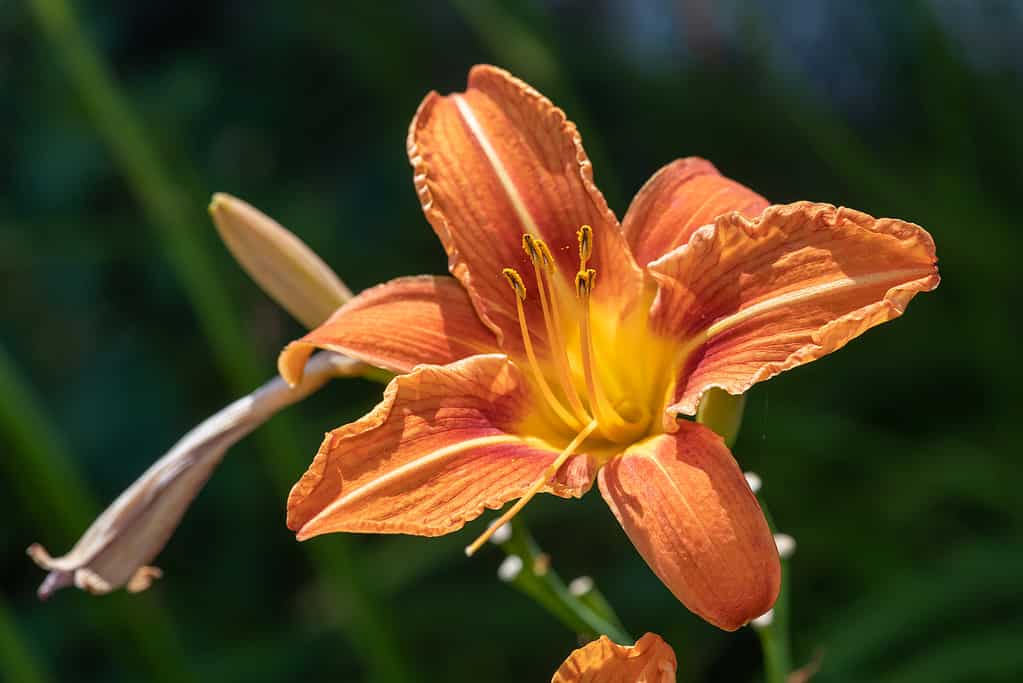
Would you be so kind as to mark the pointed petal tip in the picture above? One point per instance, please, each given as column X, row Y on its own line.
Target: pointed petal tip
column 397, row 325
column 823, row 275
column 687, row 508
column 529, row 174
column 291, row 361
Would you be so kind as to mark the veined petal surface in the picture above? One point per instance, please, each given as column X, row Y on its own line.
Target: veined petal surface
column 398, row 325
column 437, row 451
column 498, row 161
column 748, row 299
column 686, row 506
column 650, row 660
column 677, row 200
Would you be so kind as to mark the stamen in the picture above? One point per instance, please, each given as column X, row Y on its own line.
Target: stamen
column 540, row 257
column 585, row 235
column 529, row 245
column 549, row 472
column 515, row 281
column 584, row 284
column 611, row 423
column 549, row 265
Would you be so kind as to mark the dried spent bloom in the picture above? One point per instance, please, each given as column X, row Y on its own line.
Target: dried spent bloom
column 117, row 548
column 568, row 347
column 650, row 660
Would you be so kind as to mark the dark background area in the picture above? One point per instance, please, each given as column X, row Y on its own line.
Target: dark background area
column 123, row 321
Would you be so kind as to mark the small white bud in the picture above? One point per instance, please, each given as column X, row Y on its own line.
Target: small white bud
column 786, row 545
column 502, row 534
column 753, row 479
column 580, row 586
column 764, row 620
column 510, row 568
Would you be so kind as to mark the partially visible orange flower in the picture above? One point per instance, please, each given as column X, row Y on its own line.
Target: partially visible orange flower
column 650, row 660
column 566, row 346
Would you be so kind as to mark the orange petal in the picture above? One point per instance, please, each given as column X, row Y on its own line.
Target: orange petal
column 397, row 326
column 437, row 450
column 751, row 298
column 681, row 197
column 498, row 161
column 686, row 506
column 650, row 660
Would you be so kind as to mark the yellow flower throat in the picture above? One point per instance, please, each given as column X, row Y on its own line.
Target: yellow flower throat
column 577, row 395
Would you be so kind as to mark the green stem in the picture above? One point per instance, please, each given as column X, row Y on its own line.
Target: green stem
column 774, row 638
column 540, row 582
column 723, row 412
column 188, row 246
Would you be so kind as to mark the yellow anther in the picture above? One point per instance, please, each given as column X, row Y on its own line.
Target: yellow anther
column 548, row 258
column 580, row 284
column 529, row 246
column 585, row 235
column 515, row 280
column 584, row 280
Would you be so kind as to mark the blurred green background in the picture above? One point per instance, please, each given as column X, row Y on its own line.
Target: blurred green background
column 895, row 463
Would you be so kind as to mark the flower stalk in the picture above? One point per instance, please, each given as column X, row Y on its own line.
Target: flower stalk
column 532, row 574
column 585, row 589
column 775, row 639
column 723, row 413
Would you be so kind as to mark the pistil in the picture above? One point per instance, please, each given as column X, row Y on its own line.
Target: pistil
column 515, row 281
column 534, row 488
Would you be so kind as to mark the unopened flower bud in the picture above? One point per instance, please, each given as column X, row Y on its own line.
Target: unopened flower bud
column 279, row 262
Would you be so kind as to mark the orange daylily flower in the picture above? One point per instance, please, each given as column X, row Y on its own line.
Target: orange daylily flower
column 566, row 346
column 650, row 660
